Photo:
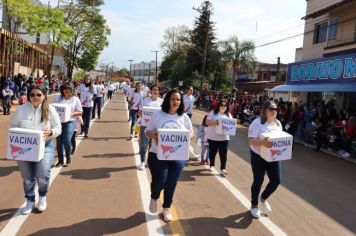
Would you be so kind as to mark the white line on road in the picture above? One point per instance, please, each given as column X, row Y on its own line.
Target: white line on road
column 17, row 220
column 274, row 229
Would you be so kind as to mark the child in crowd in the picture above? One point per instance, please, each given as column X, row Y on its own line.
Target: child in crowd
column 6, row 99
column 204, row 142
column 23, row 98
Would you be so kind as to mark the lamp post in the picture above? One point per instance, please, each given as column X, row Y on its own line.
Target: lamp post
column 155, row 51
column 130, row 66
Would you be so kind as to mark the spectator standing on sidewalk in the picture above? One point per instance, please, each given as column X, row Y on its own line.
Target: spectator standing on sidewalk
column 188, row 100
column 37, row 115
column 64, row 140
column 6, row 99
column 267, row 122
column 165, row 174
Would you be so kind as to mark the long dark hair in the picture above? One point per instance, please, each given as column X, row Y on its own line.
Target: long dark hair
column 222, row 101
column 45, row 105
column 204, row 120
column 263, row 115
column 166, row 102
column 136, row 86
column 90, row 84
column 66, row 85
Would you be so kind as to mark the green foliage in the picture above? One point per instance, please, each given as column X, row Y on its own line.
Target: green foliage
column 79, row 75
column 124, row 72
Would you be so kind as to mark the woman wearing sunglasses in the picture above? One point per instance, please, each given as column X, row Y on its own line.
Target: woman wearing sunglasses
column 64, row 140
column 38, row 115
column 267, row 122
column 218, row 142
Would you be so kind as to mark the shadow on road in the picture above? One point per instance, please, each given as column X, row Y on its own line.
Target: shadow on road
column 6, row 214
column 96, row 227
column 110, row 121
column 110, row 155
column 94, row 174
column 214, row 226
column 108, row 138
column 8, row 170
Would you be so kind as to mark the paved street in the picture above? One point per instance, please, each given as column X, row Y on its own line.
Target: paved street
column 103, row 193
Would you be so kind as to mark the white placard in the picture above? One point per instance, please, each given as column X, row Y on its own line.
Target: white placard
column 281, row 149
column 86, row 99
column 226, row 126
column 173, row 144
column 25, row 145
column 147, row 113
column 64, row 111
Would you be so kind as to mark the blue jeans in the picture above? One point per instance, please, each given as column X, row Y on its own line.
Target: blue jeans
column 145, row 142
column 222, row 147
column 65, row 140
column 165, row 175
column 133, row 114
column 86, row 119
column 98, row 102
column 259, row 168
column 39, row 172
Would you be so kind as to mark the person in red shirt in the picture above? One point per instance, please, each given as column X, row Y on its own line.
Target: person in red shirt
column 23, row 98
column 39, row 81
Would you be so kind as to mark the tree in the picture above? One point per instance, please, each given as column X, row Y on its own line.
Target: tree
column 90, row 36
column 176, row 39
column 124, row 72
column 240, row 53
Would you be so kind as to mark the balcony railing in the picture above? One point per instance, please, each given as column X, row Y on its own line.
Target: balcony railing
column 342, row 39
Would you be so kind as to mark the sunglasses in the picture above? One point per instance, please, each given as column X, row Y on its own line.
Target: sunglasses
column 35, row 94
column 223, row 105
column 272, row 109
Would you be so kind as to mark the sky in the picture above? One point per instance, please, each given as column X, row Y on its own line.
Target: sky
column 137, row 26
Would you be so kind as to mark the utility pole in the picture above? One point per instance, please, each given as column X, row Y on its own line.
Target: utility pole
column 278, row 68
column 156, row 66
column 149, row 72
column 130, row 66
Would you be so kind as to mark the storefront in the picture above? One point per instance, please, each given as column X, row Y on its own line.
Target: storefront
column 323, row 79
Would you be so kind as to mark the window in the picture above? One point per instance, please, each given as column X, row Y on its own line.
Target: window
column 38, row 38
column 326, row 30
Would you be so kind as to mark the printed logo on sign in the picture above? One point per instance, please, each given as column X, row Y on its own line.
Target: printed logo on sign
column 17, row 151
column 276, row 153
column 147, row 120
column 168, row 150
column 226, row 128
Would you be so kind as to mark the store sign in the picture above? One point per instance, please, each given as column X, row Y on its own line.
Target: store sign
column 243, row 77
column 323, row 70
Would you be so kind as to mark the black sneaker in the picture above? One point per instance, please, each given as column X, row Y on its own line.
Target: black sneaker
column 59, row 164
column 73, row 151
column 69, row 161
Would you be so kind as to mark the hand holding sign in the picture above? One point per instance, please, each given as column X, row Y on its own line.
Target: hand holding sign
column 47, row 133
column 266, row 143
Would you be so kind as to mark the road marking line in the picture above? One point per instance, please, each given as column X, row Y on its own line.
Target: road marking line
column 153, row 222
column 17, row 220
column 274, row 229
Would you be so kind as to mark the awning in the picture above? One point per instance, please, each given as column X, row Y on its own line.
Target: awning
column 332, row 87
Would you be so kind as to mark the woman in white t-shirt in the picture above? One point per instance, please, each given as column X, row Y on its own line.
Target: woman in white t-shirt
column 267, row 122
column 165, row 174
column 218, row 142
column 136, row 100
column 152, row 101
column 64, row 140
column 86, row 91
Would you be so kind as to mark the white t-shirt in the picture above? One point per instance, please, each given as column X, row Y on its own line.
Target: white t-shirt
column 163, row 120
column 74, row 102
column 130, row 92
column 111, row 87
column 99, row 90
column 256, row 129
column 211, row 130
column 137, row 100
column 188, row 103
column 86, row 97
column 148, row 102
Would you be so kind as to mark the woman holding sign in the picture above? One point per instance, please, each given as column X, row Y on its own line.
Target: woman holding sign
column 65, row 139
column 136, row 99
column 218, row 142
column 38, row 115
column 267, row 122
column 86, row 91
column 152, row 101
column 165, row 174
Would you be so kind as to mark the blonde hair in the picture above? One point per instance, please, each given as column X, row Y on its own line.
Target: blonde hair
column 263, row 115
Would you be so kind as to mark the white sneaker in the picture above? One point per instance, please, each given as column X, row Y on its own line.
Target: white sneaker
column 223, row 172
column 132, row 136
column 255, row 212
column 28, row 208
column 153, row 206
column 211, row 168
column 142, row 166
column 346, row 155
column 42, row 204
column 265, row 207
column 167, row 215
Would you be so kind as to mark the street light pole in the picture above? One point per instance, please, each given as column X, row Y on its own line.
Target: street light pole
column 155, row 51
column 130, row 66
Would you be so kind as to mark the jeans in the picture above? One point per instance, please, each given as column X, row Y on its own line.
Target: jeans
column 133, row 114
column 320, row 137
column 65, row 140
column 145, row 142
column 165, row 175
column 259, row 167
column 86, row 119
column 204, row 150
column 98, row 102
column 222, row 147
column 74, row 141
column 6, row 105
column 39, row 172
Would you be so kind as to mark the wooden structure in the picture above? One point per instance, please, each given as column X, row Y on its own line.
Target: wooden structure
column 20, row 56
